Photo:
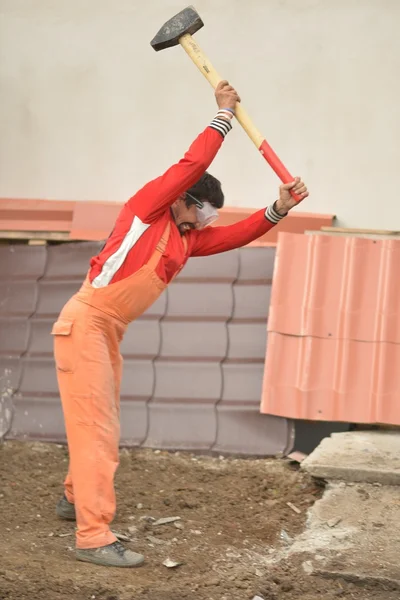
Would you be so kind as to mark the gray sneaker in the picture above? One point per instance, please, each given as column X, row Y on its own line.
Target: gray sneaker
column 113, row 555
column 65, row 510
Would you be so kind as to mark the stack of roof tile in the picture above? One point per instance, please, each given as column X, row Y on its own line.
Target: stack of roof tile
column 334, row 330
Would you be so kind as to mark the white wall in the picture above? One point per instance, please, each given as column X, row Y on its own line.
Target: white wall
column 90, row 112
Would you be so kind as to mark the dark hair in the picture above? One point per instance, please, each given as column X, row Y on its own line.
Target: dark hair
column 207, row 188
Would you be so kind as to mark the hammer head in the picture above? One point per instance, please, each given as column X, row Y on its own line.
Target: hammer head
column 186, row 21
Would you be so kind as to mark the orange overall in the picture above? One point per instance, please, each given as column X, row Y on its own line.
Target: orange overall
column 87, row 336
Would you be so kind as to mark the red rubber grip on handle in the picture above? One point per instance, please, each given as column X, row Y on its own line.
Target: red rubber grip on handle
column 277, row 165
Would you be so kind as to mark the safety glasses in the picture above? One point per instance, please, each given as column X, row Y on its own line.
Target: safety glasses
column 206, row 213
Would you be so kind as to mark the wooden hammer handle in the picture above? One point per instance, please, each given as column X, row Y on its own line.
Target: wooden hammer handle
column 201, row 61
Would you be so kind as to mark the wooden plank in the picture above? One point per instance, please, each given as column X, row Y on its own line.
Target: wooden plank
column 37, row 242
column 372, row 236
column 56, row 236
column 360, row 231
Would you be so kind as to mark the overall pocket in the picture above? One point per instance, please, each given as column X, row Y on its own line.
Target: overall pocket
column 64, row 351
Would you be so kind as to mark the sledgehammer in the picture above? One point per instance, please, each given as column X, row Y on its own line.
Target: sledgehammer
column 179, row 30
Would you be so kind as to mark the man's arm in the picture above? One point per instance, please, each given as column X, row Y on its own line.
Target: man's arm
column 149, row 202
column 214, row 240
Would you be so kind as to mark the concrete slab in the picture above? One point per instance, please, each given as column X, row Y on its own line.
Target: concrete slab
column 353, row 532
column 357, row 456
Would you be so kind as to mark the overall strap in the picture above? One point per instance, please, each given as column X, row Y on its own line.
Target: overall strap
column 160, row 248
column 185, row 247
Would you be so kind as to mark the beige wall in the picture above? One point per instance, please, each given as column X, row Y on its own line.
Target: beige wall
column 90, row 111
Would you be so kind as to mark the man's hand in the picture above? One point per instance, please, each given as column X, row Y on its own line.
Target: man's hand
column 226, row 95
column 286, row 200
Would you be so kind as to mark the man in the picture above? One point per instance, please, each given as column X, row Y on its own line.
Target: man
column 156, row 232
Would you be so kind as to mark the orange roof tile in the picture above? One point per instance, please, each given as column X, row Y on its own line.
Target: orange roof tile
column 331, row 380
column 334, row 330
column 35, row 215
column 337, row 287
column 94, row 220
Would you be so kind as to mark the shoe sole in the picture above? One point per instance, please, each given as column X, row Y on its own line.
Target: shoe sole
column 66, row 517
column 107, row 564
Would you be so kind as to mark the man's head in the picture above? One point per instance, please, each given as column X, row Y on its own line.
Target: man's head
column 197, row 208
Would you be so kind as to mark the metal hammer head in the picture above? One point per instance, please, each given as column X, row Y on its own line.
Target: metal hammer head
column 186, row 21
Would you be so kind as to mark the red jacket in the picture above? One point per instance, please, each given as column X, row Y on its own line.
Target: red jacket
column 143, row 219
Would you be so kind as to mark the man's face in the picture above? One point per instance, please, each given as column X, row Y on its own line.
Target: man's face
column 195, row 216
column 185, row 217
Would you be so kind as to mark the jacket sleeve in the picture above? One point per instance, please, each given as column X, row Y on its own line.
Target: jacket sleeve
column 157, row 195
column 214, row 240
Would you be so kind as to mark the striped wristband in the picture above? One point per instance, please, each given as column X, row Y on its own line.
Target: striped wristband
column 272, row 215
column 221, row 125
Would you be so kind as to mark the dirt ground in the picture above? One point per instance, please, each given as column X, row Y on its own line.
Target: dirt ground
column 233, row 514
